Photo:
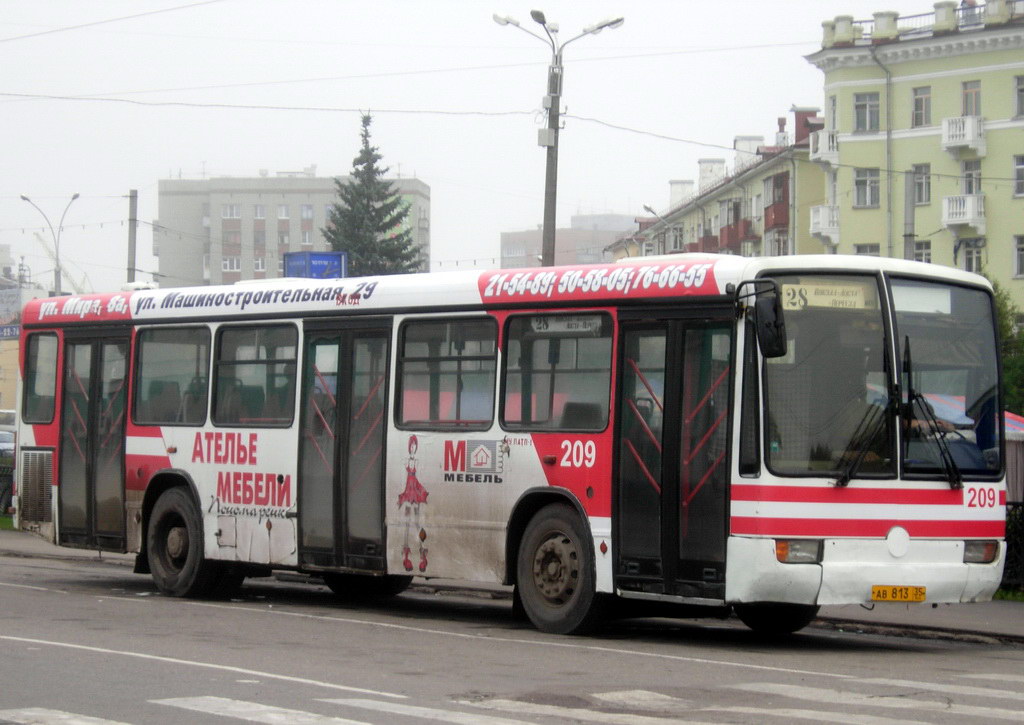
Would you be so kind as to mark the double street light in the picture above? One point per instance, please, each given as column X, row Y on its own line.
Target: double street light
column 56, row 239
column 548, row 137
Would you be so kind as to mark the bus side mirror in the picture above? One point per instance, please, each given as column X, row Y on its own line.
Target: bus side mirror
column 770, row 325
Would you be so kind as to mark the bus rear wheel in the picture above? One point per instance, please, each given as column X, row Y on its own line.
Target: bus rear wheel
column 776, row 618
column 174, row 546
column 363, row 586
column 555, row 575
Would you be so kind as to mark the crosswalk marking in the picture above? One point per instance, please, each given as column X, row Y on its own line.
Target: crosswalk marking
column 425, row 713
column 948, row 689
column 830, row 716
column 253, row 711
column 576, row 713
column 643, row 700
column 837, row 697
column 42, row 716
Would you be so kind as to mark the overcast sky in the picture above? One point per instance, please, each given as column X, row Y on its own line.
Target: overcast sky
column 111, row 106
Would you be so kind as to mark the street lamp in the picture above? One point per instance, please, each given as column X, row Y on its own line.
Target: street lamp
column 548, row 137
column 662, row 219
column 56, row 239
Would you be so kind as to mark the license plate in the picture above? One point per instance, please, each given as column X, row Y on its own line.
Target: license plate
column 887, row 593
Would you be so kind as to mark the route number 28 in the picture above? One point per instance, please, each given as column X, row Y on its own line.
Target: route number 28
column 578, row 454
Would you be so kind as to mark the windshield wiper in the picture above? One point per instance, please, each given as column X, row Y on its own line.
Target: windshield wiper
column 870, row 425
column 949, row 466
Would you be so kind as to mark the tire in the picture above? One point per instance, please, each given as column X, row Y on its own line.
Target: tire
column 555, row 575
column 776, row 618
column 363, row 586
column 174, row 546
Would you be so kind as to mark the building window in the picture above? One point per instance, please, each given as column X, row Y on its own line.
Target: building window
column 259, row 238
column 922, row 115
column 1020, row 95
column 446, row 371
column 868, row 250
column 833, row 113
column 231, row 211
column 971, row 180
column 280, row 266
column 923, row 251
column 922, row 183
column 259, row 264
column 306, row 211
column 282, row 239
column 865, row 112
column 231, row 264
column 282, row 211
column 865, row 187
column 972, row 256
column 1018, row 248
column 971, row 98
column 259, row 211
column 1018, row 175
column 307, row 238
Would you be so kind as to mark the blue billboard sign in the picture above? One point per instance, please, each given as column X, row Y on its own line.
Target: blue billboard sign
column 317, row 265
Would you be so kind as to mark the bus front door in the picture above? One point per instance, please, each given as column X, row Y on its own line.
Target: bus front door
column 91, row 468
column 341, row 464
column 671, row 511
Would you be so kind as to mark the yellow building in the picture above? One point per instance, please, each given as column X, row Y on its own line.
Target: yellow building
column 923, row 143
column 758, row 207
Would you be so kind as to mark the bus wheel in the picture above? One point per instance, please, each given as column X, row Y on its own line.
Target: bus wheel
column 776, row 618
column 362, row 586
column 555, row 572
column 174, row 543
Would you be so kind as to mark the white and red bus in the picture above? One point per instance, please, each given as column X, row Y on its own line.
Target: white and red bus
column 765, row 435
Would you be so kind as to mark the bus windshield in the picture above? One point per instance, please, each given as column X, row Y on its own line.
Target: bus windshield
column 827, row 398
column 949, row 377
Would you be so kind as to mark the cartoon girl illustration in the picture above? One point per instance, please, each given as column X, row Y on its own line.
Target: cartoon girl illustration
column 411, row 500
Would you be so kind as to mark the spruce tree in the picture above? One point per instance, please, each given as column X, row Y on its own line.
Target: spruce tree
column 368, row 220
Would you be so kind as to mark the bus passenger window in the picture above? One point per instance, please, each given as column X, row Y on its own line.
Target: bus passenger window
column 558, row 372
column 255, row 376
column 172, row 377
column 447, row 372
column 40, row 378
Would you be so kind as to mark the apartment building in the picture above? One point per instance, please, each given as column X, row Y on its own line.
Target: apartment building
column 923, row 138
column 582, row 243
column 222, row 230
column 757, row 207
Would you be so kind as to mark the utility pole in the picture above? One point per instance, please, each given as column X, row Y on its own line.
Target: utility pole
column 133, row 207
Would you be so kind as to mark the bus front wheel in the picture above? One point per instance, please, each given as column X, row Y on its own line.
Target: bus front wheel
column 776, row 618
column 555, row 575
column 174, row 545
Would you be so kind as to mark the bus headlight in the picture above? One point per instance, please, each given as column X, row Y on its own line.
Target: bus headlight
column 980, row 552
column 798, row 551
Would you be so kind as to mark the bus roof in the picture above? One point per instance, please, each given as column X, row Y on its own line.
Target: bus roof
column 678, row 276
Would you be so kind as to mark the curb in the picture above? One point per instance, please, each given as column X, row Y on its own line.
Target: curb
column 921, row 631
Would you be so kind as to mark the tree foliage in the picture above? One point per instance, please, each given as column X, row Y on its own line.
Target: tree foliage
column 1011, row 346
column 368, row 220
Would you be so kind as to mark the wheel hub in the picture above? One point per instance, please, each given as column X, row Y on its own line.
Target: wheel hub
column 177, row 541
column 555, row 569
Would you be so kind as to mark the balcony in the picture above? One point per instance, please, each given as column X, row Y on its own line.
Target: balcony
column 708, row 243
column 963, row 133
column 776, row 215
column 825, row 147
column 825, row 223
column 966, row 210
column 733, row 234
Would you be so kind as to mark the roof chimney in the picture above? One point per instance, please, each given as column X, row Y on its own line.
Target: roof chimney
column 709, row 172
column 679, row 190
column 803, row 117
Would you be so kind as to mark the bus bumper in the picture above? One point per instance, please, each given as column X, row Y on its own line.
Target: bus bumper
column 851, row 567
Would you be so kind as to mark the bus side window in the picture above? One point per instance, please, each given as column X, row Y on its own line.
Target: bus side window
column 255, row 375
column 169, row 361
column 40, row 378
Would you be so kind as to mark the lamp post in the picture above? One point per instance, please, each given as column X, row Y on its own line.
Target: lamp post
column 56, row 239
column 548, row 137
column 664, row 222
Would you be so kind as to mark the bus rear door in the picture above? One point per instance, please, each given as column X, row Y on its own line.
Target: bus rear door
column 672, row 457
column 94, row 403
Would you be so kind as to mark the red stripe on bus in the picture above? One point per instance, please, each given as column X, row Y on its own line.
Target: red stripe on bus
column 763, row 526
column 840, row 495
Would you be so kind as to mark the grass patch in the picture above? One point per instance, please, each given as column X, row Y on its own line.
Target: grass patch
column 7, row 523
column 1009, row 595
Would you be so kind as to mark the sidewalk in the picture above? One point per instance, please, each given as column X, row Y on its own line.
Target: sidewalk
column 999, row 619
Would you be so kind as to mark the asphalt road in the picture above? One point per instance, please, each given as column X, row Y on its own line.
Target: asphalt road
column 89, row 642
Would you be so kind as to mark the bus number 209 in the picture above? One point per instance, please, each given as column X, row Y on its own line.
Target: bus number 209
column 578, row 454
